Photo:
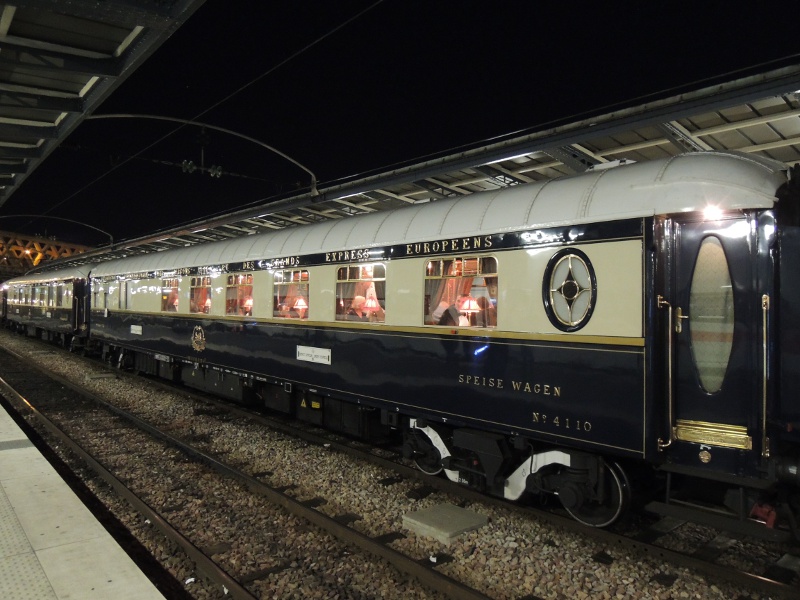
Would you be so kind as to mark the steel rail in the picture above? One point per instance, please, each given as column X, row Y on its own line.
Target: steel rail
column 426, row 575
column 678, row 559
column 405, row 564
column 204, row 564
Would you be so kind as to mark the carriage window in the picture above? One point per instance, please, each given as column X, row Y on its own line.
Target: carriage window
column 99, row 295
column 711, row 314
column 60, row 295
column 361, row 293
column 200, row 295
column 42, row 294
column 239, row 295
column 169, row 295
column 290, row 294
column 461, row 291
column 123, row 294
column 51, row 295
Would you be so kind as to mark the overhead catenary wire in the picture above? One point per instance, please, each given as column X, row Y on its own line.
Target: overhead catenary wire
column 268, row 72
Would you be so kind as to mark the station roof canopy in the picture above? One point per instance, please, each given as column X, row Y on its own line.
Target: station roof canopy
column 60, row 60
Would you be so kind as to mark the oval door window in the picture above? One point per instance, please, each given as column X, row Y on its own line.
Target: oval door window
column 711, row 314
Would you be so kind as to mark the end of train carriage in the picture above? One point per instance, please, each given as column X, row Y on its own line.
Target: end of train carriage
column 726, row 333
column 53, row 306
column 3, row 305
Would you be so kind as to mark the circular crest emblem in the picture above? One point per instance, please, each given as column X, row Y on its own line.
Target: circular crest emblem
column 198, row 338
column 569, row 289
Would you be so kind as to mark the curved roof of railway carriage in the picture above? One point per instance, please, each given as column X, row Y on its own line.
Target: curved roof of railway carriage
column 76, row 272
column 687, row 182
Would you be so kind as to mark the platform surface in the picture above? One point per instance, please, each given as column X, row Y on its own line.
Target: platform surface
column 443, row 522
column 51, row 546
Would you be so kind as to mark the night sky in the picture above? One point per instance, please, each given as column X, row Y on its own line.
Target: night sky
column 403, row 80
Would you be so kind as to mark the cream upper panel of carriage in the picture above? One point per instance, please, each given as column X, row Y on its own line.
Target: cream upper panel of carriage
column 607, row 300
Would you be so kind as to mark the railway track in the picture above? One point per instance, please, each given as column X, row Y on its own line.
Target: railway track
column 703, row 552
column 772, row 569
column 176, row 466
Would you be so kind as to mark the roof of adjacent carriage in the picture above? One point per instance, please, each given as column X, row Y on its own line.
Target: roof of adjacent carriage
column 65, row 274
column 687, row 182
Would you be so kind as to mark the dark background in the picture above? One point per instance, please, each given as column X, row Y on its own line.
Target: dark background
column 401, row 81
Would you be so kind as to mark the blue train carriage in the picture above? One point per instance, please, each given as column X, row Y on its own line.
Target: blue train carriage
column 51, row 305
column 539, row 338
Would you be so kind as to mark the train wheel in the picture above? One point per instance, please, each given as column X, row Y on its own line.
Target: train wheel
column 426, row 456
column 430, row 464
column 617, row 498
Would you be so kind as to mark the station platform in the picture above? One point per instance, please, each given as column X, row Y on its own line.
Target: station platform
column 51, row 546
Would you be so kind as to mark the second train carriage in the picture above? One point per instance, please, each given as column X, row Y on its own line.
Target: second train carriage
column 535, row 338
column 53, row 305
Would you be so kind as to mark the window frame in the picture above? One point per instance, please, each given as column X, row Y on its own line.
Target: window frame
column 170, row 288
column 239, row 282
column 358, row 280
column 200, row 295
column 454, row 294
column 301, row 280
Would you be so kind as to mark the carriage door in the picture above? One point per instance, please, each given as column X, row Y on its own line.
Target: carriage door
column 715, row 328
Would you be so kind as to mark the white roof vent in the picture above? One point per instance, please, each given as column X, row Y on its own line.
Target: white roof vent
column 611, row 164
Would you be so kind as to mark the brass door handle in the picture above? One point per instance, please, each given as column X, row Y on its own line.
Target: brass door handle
column 678, row 316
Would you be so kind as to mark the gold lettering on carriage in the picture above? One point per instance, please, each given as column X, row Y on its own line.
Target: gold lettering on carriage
column 526, row 387
column 543, row 420
column 346, row 255
column 450, row 245
column 480, row 381
column 279, row 263
column 544, row 389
